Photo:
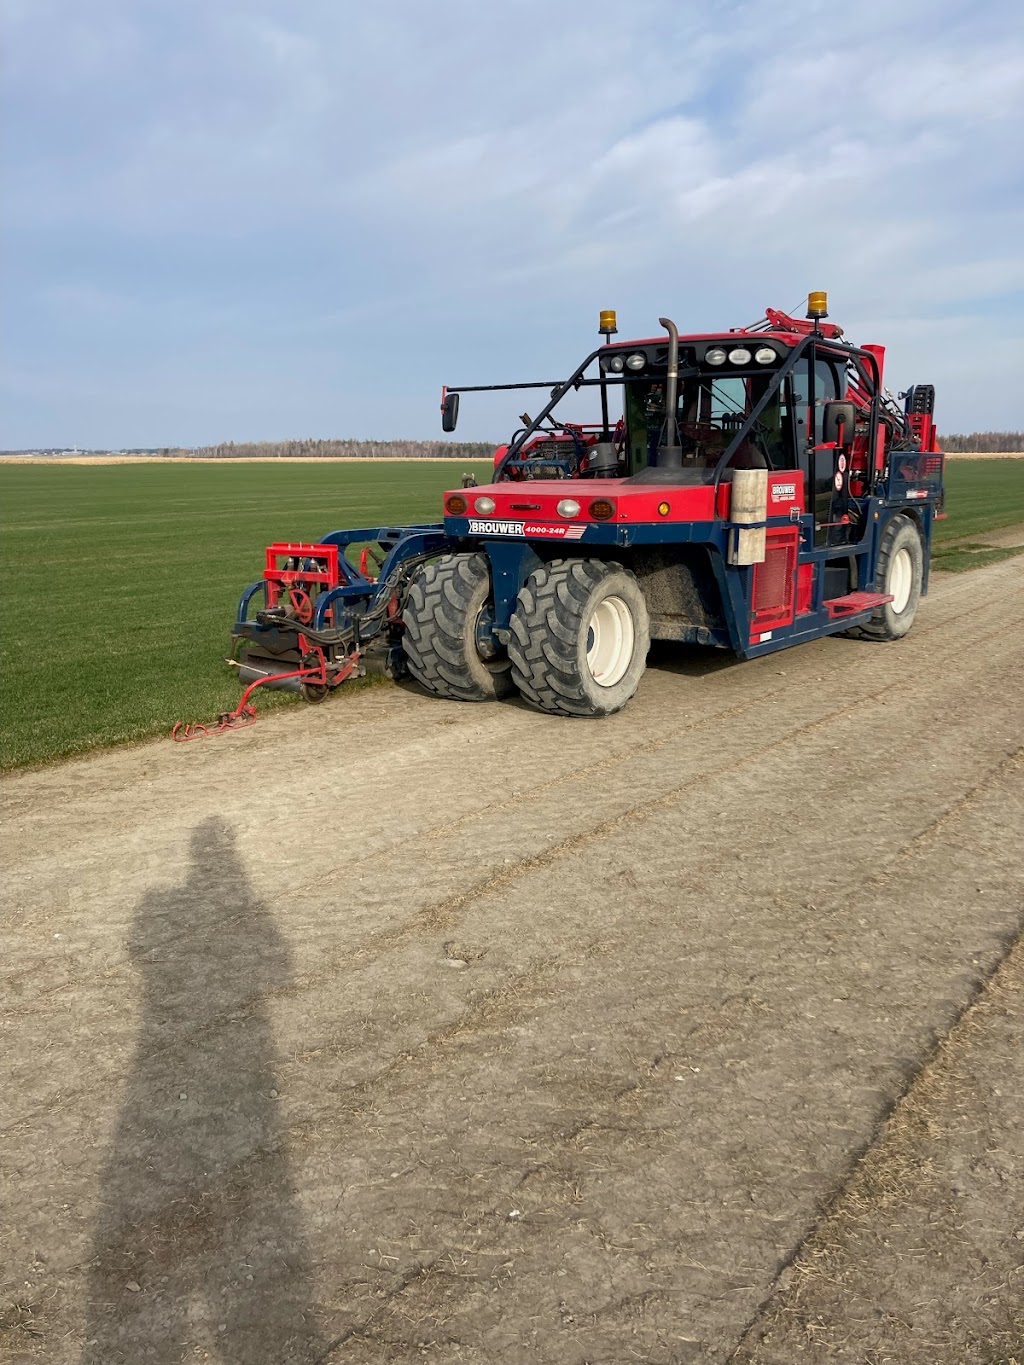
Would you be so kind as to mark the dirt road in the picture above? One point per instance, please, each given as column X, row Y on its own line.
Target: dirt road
column 398, row 1030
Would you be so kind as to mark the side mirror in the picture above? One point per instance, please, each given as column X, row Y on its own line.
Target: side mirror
column 449, row 410
column 838, row 425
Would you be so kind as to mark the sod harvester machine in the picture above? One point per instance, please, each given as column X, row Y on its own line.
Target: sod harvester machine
column 758, row 488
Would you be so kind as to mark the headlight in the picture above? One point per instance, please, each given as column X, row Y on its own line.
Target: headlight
column 485, row 506
column 740, row 356
column 764, row 355
column 616, row 364
column 636, row 361
column 716, row 356
column 568, row 507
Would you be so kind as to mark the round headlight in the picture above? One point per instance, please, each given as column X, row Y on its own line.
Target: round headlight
column 636, row 361
column 716, row 356
column 568, row 507
column 616, row 364
column 740, row 356
column 485, row 506
column 764, row 355
column 455, row 505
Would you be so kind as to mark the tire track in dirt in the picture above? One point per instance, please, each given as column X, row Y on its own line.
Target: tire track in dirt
column 923, row 837
column 547, row 1116
column 628, row 1101
column 520, row 799
column 444, row 915
column 784, row 1293
column 489, row 1009
column 933, row 621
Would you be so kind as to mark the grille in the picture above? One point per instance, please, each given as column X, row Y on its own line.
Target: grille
column 773, row 581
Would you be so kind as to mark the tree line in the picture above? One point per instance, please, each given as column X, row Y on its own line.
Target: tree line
column 975, row 441
column 980, row 442
column 333, row 450
column 983, row 442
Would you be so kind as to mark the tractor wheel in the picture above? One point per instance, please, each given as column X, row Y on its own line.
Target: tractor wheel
column 312, row 692
column 901, row 573
column 445, row 605
column 580, row 635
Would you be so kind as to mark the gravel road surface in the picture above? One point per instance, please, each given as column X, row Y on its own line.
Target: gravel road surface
column 398, row 1030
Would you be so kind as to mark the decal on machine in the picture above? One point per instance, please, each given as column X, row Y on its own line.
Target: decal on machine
column 783, row 492
column 526, row 528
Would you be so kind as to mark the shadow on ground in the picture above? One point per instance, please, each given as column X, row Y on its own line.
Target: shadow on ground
column 692, row 661
column 199, row 1242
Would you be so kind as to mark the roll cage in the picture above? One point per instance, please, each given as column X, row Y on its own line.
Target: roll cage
column 865, row 365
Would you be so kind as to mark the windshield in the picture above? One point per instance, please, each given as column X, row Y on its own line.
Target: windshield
column 711, row 409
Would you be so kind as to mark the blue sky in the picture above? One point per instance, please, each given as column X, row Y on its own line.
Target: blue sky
column 231, row 219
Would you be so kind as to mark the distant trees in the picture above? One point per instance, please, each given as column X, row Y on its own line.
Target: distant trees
column 333, row 450
column 980, row 442
column 983, row 441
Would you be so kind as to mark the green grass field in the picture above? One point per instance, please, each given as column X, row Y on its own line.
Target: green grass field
column 121, row 580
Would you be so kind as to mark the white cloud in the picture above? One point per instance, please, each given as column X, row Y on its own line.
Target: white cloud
column 290, row 181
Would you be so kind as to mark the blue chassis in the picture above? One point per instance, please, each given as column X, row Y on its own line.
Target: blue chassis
column 513, row 559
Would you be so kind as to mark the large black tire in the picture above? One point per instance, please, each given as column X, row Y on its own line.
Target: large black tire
column 900, row 572
column 580, row 636
column 441, row 613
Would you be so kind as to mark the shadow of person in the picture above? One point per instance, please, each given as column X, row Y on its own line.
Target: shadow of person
column 198, row 1249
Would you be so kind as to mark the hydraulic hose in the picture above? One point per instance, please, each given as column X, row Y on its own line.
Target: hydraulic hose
column 384, row 594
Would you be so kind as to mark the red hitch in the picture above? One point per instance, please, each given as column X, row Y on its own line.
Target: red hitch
column 245, row 713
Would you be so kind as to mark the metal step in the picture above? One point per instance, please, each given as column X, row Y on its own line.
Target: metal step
column 856, row 602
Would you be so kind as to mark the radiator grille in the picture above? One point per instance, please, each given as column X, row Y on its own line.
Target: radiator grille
column 774, row 581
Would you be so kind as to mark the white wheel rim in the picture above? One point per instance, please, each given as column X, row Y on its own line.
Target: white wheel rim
column 901, row 580
column 610, row 639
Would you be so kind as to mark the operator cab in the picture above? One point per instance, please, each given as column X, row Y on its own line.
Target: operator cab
column 711, row 409
column 691, row 410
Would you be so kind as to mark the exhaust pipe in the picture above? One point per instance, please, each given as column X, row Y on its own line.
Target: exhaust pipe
column 670, row 450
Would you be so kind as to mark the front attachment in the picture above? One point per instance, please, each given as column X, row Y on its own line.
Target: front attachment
column 323, row 620
column 312, row 678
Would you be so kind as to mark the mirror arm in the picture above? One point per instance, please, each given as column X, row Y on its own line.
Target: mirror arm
column 557, row 394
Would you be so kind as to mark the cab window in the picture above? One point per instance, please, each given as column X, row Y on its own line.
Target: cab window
column 826, row 388
column 807, row 392
column 711, row 410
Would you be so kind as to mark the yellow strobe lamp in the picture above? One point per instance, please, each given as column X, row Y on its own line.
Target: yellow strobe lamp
column 608, row 322
column 817, row 304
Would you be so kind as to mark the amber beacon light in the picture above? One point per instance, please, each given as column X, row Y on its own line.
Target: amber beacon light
column 817, row 304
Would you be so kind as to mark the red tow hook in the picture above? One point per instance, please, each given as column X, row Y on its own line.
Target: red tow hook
column 245, row 713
